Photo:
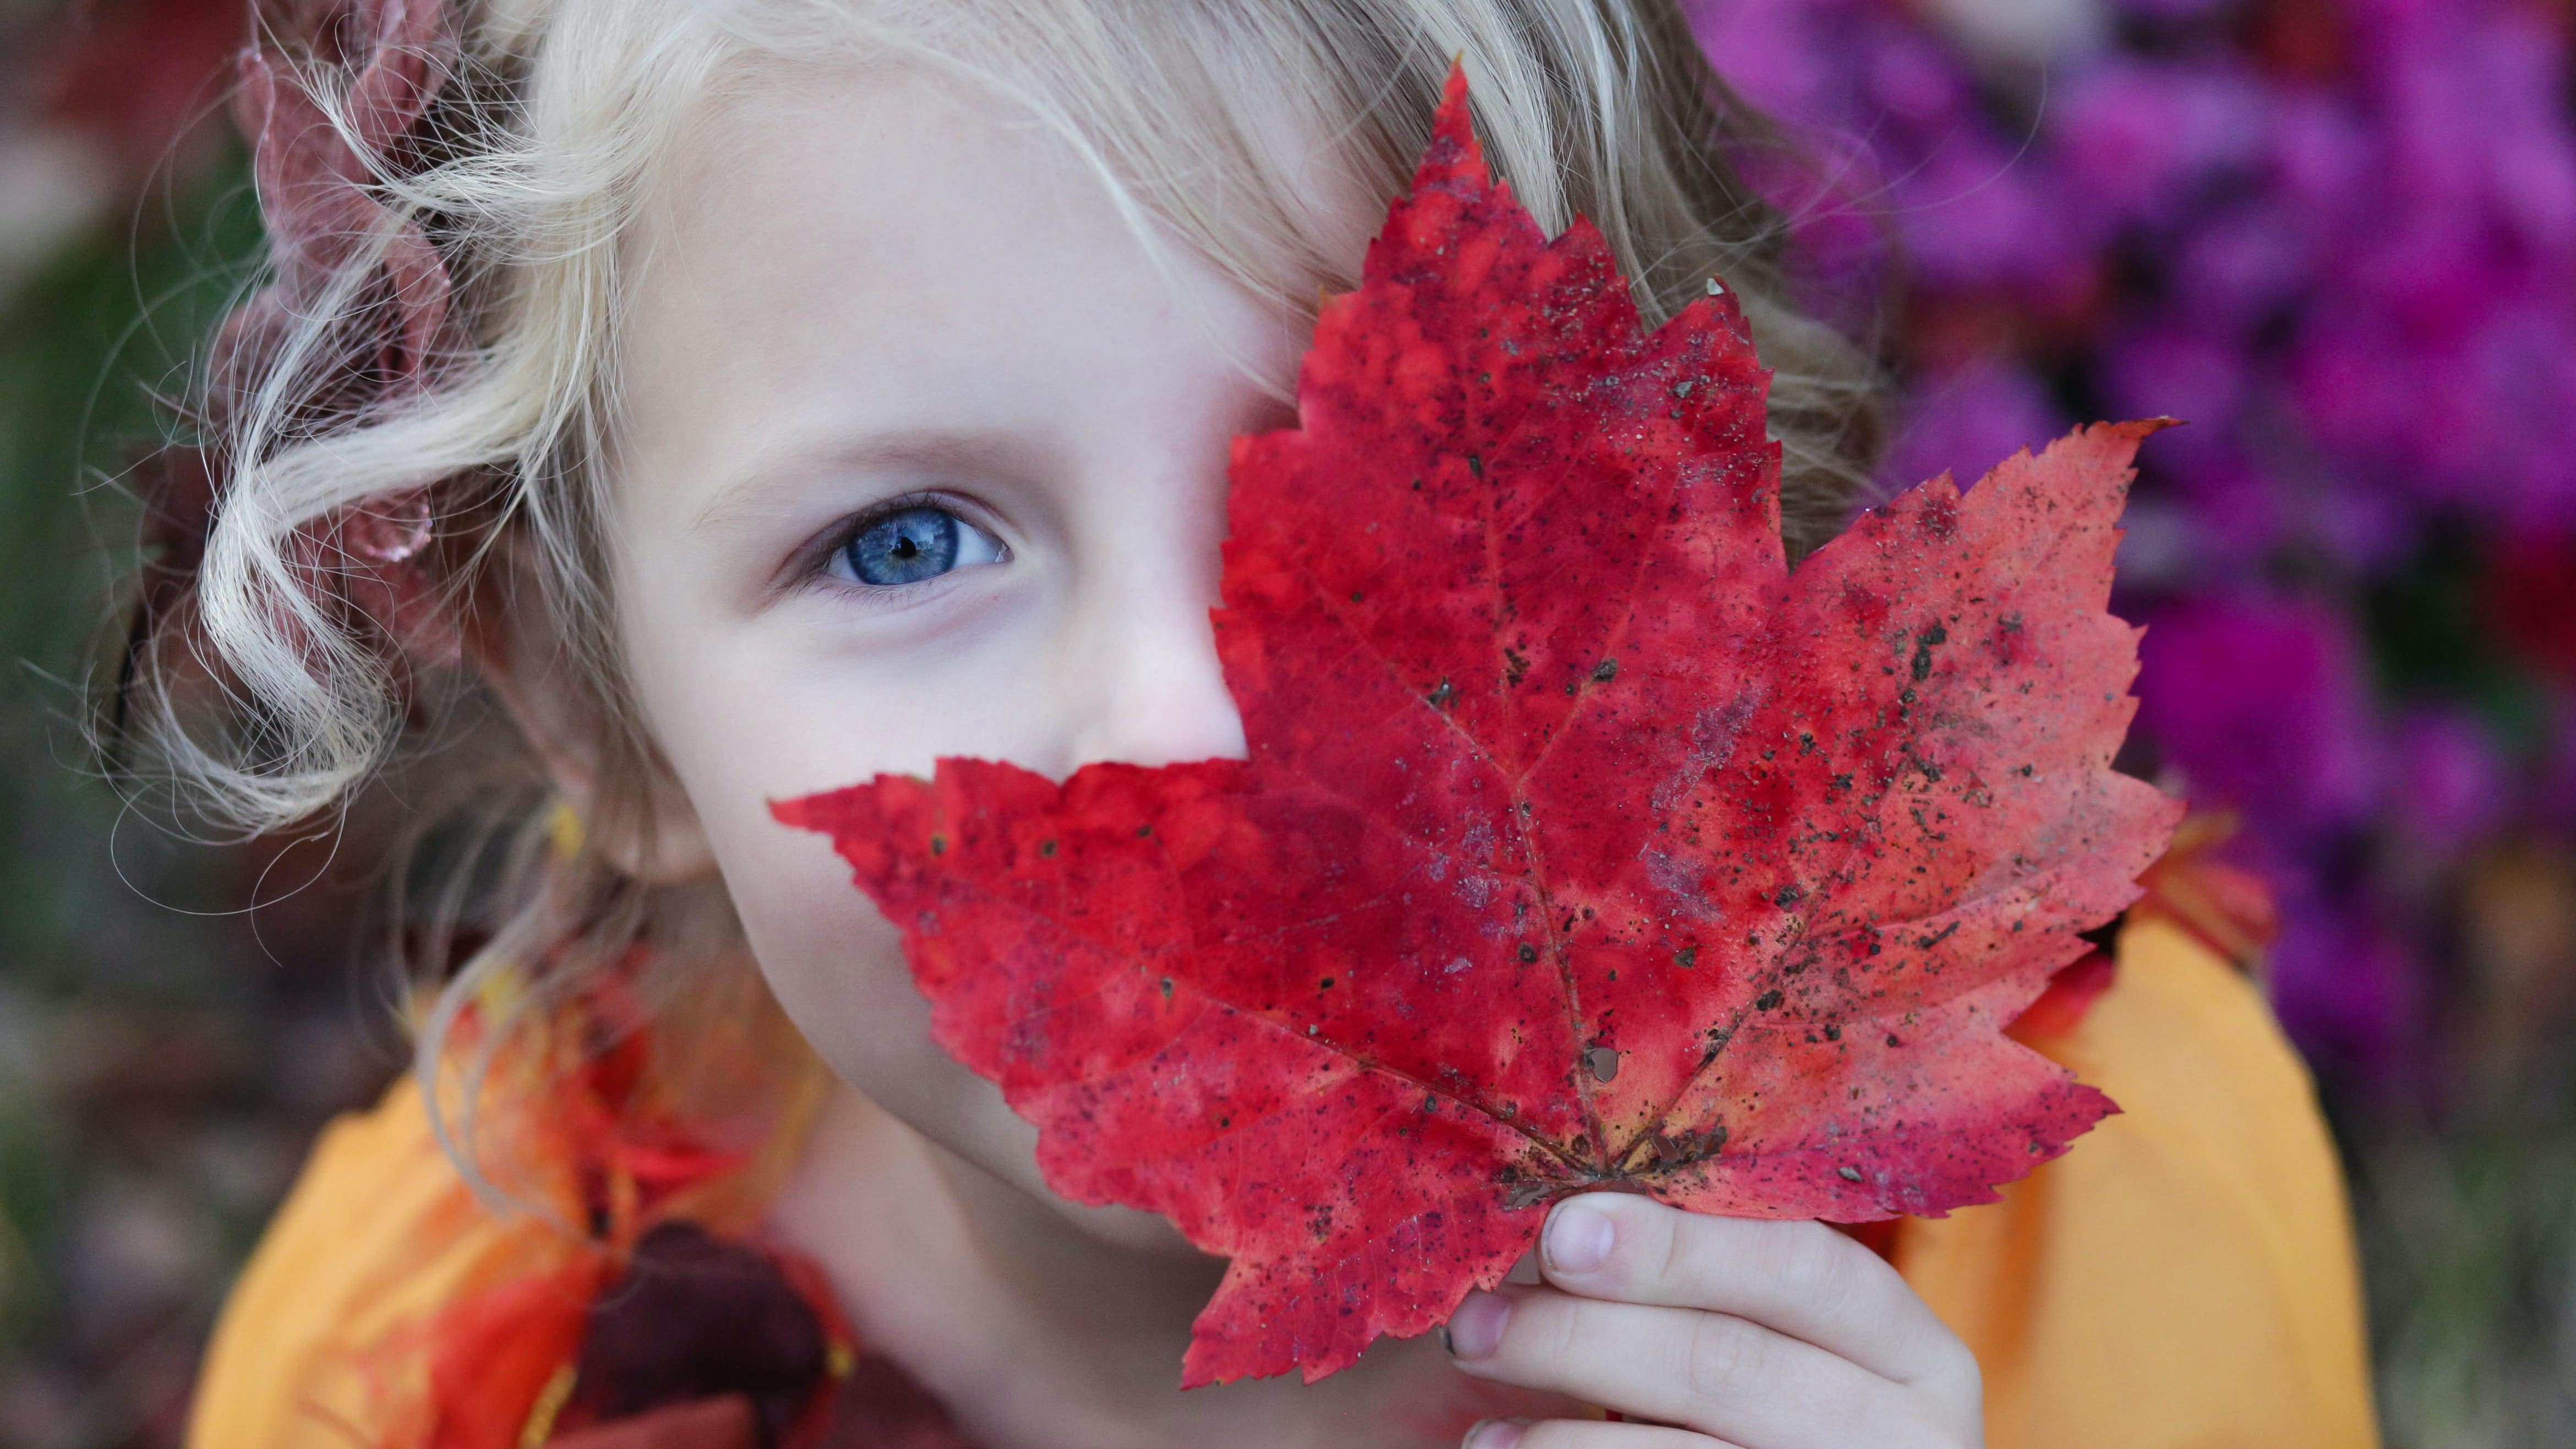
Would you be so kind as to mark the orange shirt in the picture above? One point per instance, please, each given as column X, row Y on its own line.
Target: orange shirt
column 2183, row 1278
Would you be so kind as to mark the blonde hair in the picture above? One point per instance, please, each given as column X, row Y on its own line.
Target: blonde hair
column 269, row 702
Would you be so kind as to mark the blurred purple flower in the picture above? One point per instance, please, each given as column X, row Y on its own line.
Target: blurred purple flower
column 2237, row 514
column 2474, row 106
column 2351, row 993
column 2241, row 265
column 2260, row 703
column 2317, row 156
column 2164, row 370
column 1774, row 54
column 2135, row 139
column 2450, row 784
column 2340, row 240
column 1971, row 219
column 2175, row 10
column 1969, row 421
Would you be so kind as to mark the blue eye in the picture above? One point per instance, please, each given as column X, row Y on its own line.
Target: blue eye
column 913, row 545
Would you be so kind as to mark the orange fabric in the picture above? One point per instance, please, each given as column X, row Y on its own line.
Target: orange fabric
column 2182, row 1279
column 321, row 1341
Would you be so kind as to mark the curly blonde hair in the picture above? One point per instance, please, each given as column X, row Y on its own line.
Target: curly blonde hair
column 358, row 518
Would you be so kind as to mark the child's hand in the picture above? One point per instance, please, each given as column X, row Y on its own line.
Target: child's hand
column 1736, row 1334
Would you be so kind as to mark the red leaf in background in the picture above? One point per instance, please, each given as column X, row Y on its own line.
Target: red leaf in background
column 1580, row 842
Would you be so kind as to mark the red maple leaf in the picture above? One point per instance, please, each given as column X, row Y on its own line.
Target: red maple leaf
column 1581, row 843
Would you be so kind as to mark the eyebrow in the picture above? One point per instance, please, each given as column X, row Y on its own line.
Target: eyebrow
column 754, row 487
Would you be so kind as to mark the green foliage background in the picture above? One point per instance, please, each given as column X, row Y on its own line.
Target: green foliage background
column 165, row 1052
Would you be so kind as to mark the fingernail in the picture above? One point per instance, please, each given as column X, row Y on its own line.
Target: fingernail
column 1495, row 1434
column 1578, row 1237
column 1477, row 1326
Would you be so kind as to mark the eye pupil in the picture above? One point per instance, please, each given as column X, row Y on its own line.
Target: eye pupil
column 905, row 547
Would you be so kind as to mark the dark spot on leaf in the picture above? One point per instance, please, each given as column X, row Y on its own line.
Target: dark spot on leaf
column 1047, row 848
column 1789, row 895
column 1602, row 1062
column 1686, row 957
column 1442, row 693
column 1923, row 653
column 1529, row 953
column 1767, row 1000
column 939, row 845
column 1605, row 671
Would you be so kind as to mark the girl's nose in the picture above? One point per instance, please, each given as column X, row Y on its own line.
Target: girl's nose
column 1146, row 687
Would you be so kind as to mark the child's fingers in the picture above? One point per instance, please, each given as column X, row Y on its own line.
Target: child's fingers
column 1803, row 1279
column 1723, row 1376
column 1583, row 1434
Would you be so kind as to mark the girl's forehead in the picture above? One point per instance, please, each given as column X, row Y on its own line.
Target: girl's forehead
column 877, row 251
column 882, row 172
column 802, row 189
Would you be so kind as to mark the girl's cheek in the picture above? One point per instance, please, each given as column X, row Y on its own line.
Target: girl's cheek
column 835, row 963
column 837, row 967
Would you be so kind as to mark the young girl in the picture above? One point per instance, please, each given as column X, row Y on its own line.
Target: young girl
column 691, row 404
